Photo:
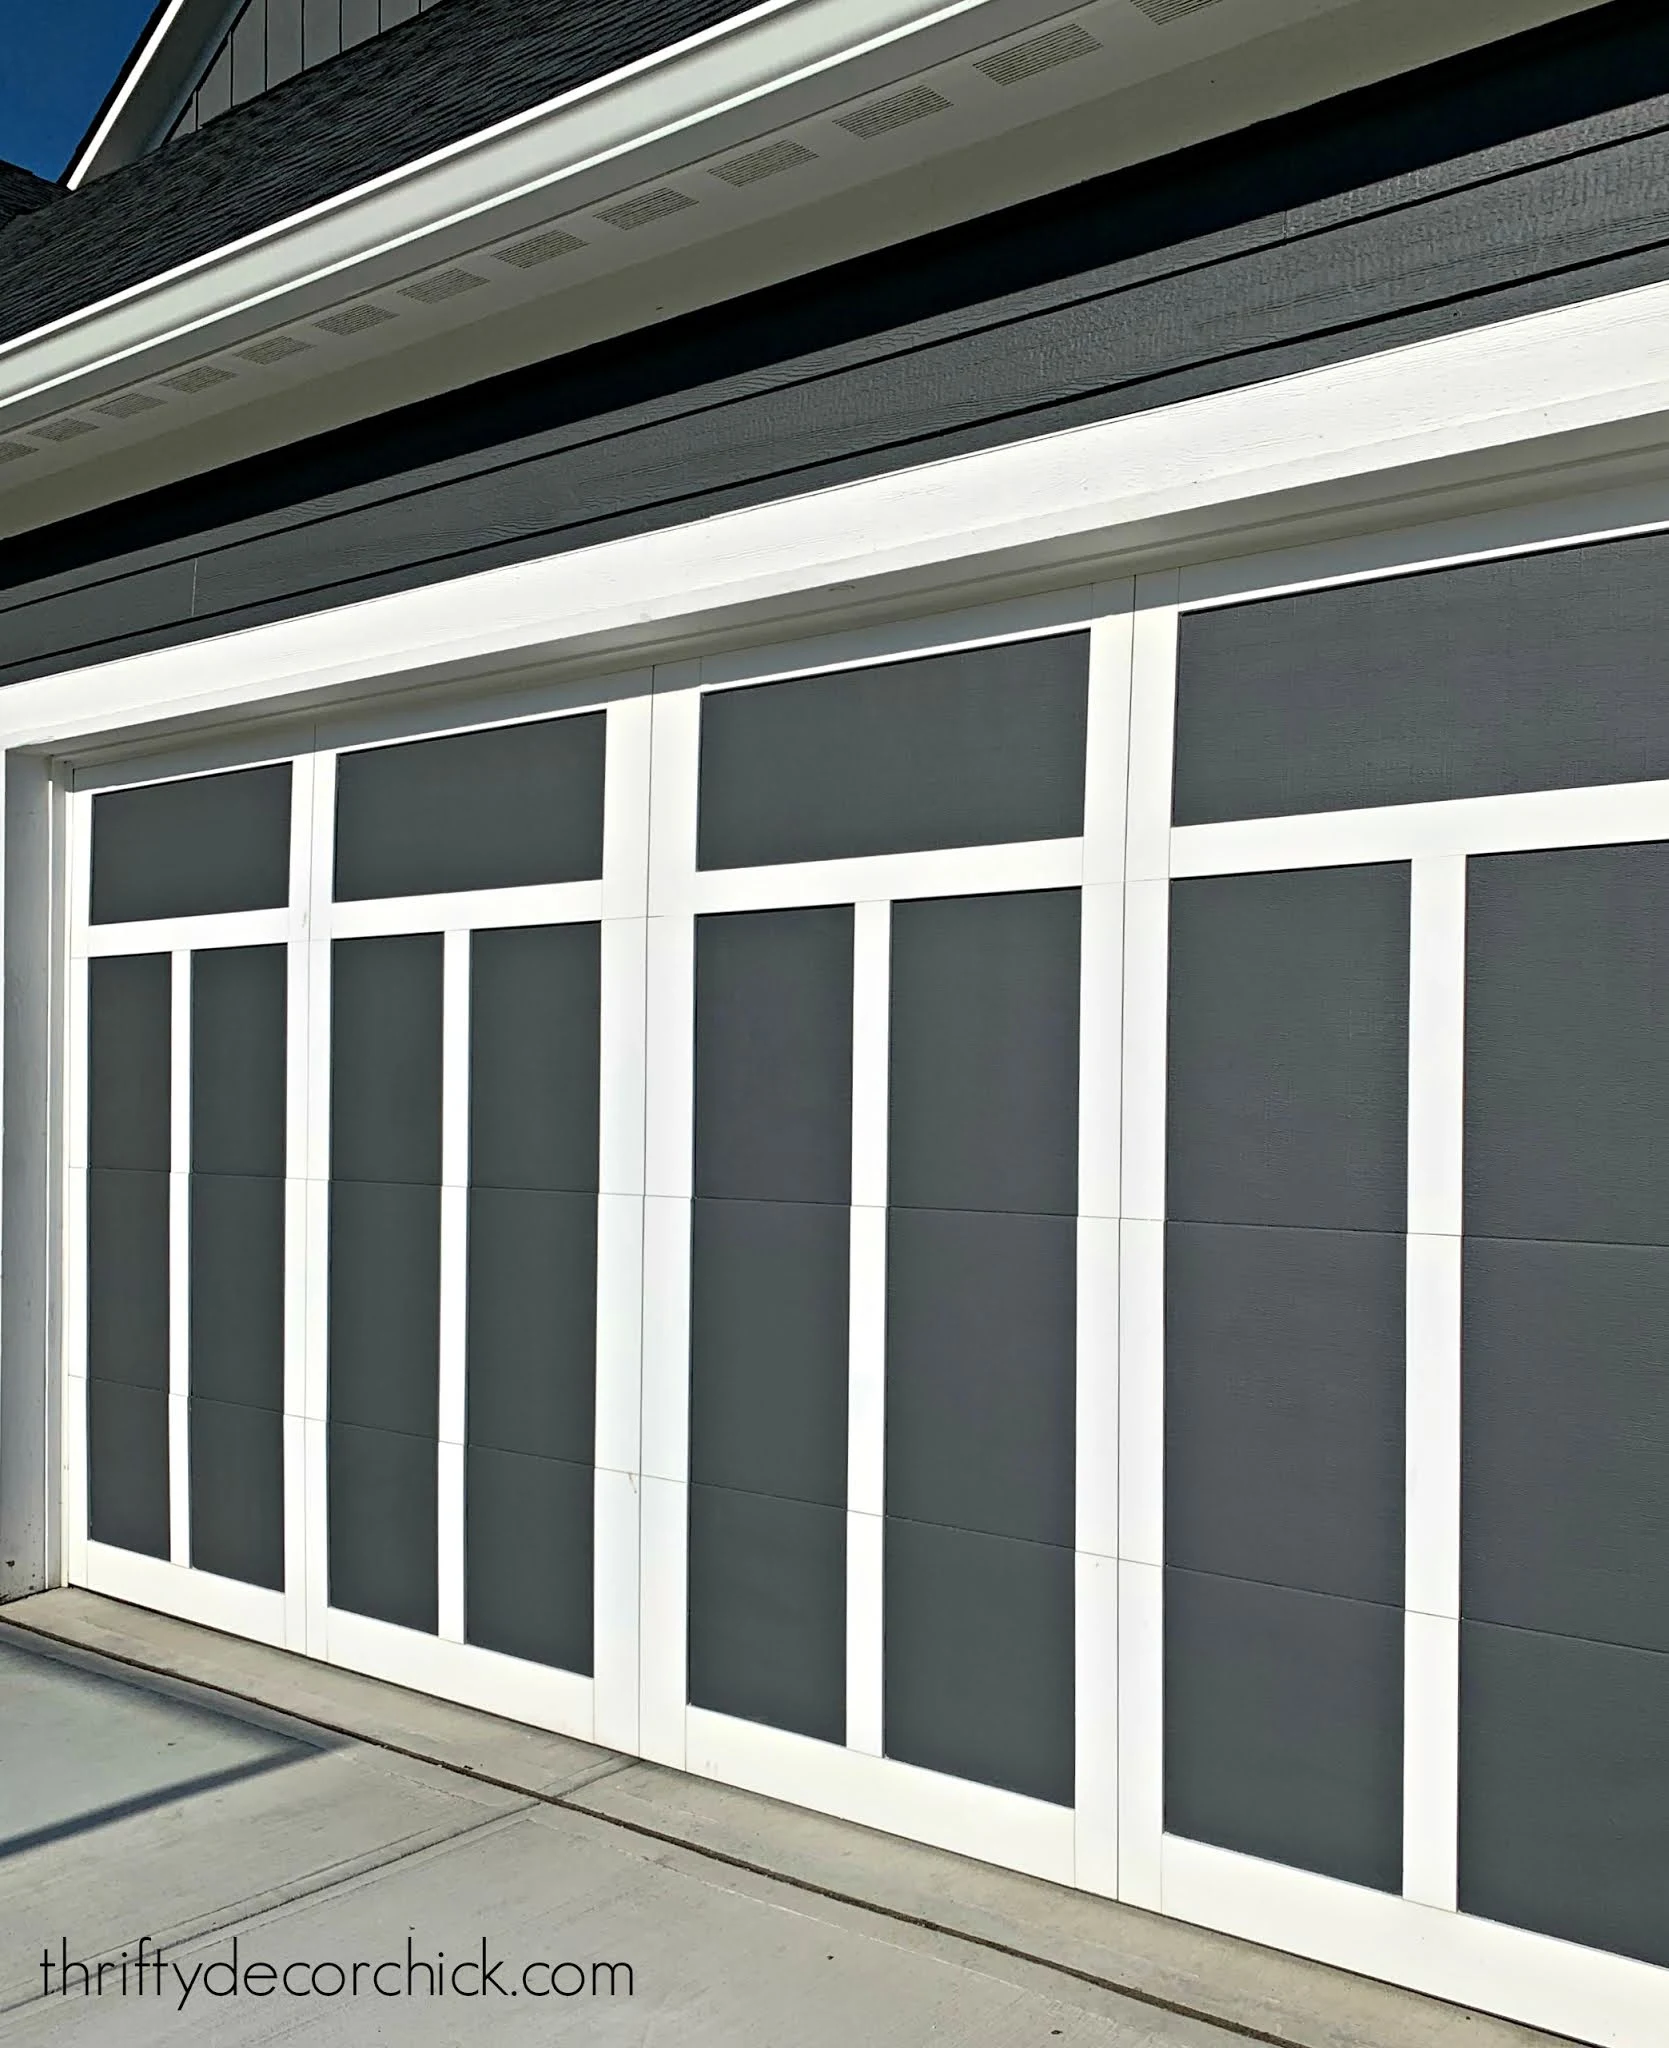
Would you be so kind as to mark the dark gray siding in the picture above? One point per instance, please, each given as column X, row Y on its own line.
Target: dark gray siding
column 1526, row 175
column 272, row 40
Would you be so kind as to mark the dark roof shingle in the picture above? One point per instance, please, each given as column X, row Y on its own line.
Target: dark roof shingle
column 434, row 80
column 22, row 192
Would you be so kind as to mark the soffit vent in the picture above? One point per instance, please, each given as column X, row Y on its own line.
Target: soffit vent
column 660, row 204
column 127, row 405
column 880, row 117
column 14, row 451
column 1042, row 53
column 445, row 284
column 754, row 164
column 353, row 320
column 542, row 248
column 1171, row 10
column 65, row 430
column 200, row 377
column 275, row 348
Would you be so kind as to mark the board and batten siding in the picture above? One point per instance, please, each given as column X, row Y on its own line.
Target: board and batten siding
column 1525, row 175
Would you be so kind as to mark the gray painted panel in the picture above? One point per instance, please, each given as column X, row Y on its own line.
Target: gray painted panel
column 238, row 1035
column 533, row 1057
column 1567, row 1092
column 1283, row 1726
column 956, row 750
column 1285, row 1406
column 984, row 1053
column 769, row 1295
column 129, row 1040
column 773, row 1055
column 767, row 1611
column 284, row 39
column 127, row 1466
column 127, row 1277
column 1288, row 1094
column 321, row 29
column 383, row 1544
column 981, row 1371
column 527, row 1557
column 1545, row 672
column 179, row 849
column 237, row 1492
column 249, row 53
column 237, row 1289
column 361, row 19
column 532, row 1322
column 979, row 1658
column 385, row 1058
column 385, row 1306
column 1565, row 1413
column 498, row 809
column 1564, row 1789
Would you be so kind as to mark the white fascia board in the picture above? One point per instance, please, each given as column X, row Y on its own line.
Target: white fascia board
column 180, row 42
column 1486, row 413
column 773, row 53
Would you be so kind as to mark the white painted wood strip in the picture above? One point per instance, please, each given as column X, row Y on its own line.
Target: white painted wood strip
column 179, row 1261
column 1611, row 816
column 196, row 934
column 891, row 877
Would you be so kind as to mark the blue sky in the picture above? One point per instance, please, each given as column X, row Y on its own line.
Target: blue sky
column 58, row 59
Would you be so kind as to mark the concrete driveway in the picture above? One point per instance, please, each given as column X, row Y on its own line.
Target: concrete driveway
column 325, row 1883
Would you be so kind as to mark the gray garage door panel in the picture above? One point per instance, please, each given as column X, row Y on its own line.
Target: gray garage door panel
column 531, row 1332
column 767, row 1610
column 1565, row 1412
column 382, row 1515
column 979, row 1658
column 984, row 1053
column 773, row 1056
column 127, row 1466
column 237, row 1289
column 1285, row 1403
column 769, row 1299
column 1288, row 1093
column 1564, row 1788
column 965, row 749
column 191, row 848
column 528, row 1557
column 1567, row 1090
column 1543, row 671
column 237, row 1492
column 982, row 1371
column 1283, row 1726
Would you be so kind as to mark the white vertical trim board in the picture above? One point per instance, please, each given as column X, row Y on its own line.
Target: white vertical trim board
column 179, row 1260
column 454, row 1283
column 866, row 1393
column 315, row 1433
column 1436, row 1089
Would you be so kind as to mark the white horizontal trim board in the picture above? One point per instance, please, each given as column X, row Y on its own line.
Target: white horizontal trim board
column 199, row 1596
column 891, row 877
column 180, row 934
column 1611, row 815
column 879, row 1792
column 1478, row 410
column 560, row 1701
column 1531, row 1977
column 468, row 910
